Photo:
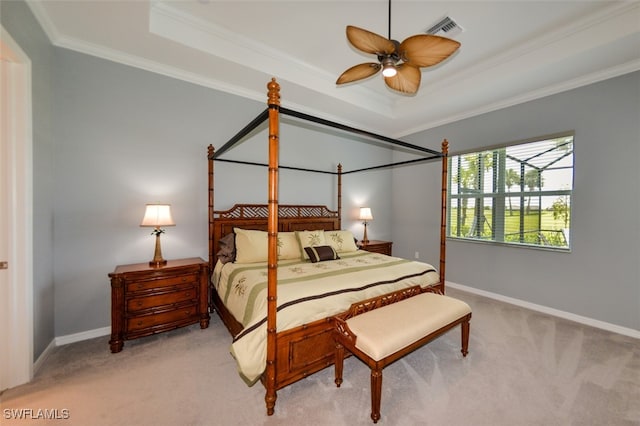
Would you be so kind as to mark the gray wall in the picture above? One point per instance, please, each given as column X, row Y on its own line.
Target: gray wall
column 109, row 138
column 600, row 278
column 125, row 137
column 17, row 19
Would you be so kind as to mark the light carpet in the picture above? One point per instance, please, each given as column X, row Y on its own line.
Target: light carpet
column 523, row 368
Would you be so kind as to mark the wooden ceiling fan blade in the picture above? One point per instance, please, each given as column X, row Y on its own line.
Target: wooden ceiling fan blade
column 369, row 42
column 406, row 80
column 425, row 50
column 359, row 72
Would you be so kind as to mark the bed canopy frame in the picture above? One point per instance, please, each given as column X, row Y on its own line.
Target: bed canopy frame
column 277, row 213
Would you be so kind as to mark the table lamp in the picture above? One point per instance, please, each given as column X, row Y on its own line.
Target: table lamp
column 157, row 215
column 365, row 216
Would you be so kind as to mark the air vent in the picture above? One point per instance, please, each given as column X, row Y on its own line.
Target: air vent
column 446, row 27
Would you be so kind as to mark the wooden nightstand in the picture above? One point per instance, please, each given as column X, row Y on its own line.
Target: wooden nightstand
column 377, row 246
column 147, row 300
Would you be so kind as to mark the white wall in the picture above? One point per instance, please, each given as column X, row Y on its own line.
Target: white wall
column 600, row 278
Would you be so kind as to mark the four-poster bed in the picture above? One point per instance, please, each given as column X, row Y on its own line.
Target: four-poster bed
column 298, row 346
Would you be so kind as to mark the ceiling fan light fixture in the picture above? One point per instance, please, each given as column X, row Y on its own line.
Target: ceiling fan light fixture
column 389, row 68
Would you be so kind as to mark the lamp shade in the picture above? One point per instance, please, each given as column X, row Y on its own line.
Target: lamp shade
column 365, row 214
column 157, row 215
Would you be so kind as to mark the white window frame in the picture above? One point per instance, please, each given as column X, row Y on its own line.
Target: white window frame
column 493, row 201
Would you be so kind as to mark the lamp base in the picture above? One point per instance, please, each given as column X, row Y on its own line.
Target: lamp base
column 157, row 261
column 365, row 240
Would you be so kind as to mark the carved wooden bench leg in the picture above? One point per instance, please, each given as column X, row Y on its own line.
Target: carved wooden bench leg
column 376, row 393
column 465, row 338
column 339, row 362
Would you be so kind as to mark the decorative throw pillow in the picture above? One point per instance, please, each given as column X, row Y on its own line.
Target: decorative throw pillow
column 310, row 239
column 288, row 246
column 227, row 252
column 342, row 241
column 251, row 245
column 321, row 253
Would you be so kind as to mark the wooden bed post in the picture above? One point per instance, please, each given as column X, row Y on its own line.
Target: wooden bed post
column 210, row 152
column 443, row 213
column 272, row 259
column 339, row 196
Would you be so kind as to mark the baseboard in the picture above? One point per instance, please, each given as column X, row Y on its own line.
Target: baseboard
column 43, row 356
column 84, row 335
column 65, row 340
column 551, row 311
column 105, row 331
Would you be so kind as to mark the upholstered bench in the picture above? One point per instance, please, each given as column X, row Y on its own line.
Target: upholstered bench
column 382, row 330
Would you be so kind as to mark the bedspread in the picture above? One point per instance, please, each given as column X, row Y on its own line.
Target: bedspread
column 306, row 292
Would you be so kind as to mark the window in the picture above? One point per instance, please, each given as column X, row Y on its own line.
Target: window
column 518, row 194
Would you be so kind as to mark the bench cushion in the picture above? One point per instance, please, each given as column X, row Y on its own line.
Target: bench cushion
column 384, row 331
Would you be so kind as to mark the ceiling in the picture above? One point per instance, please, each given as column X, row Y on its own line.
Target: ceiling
column 512, row 51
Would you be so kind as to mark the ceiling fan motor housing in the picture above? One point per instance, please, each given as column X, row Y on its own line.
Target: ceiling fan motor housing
column 389, row 59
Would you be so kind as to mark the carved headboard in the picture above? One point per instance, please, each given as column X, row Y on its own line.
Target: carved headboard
column 254, row 216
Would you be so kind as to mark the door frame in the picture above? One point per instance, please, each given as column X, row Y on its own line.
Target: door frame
column 17, row 161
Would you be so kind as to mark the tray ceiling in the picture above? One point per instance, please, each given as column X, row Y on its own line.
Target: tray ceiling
column 512, row 51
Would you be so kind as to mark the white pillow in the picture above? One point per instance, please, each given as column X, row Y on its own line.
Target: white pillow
column 310, row 239
column 288, row 246
column 251, row 245
column 341, row 241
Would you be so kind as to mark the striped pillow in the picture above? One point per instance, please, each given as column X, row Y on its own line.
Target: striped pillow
column 321, row 253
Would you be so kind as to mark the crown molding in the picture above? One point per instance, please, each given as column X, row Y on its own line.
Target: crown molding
column 169, row 22
column 45, row 22
column 626, row 16
column 585, row 80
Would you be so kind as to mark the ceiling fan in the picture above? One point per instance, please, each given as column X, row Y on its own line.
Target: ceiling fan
column 400, row 62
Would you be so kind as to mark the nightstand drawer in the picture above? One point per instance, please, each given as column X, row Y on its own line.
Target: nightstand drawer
column 377, row 249
column 162, row 282
column 164, row 318
column 159, row 300
column 376, row 246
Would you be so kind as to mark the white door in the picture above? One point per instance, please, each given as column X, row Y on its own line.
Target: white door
column 16, row 214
